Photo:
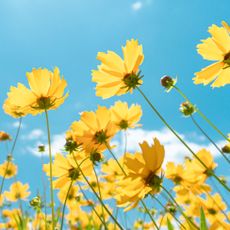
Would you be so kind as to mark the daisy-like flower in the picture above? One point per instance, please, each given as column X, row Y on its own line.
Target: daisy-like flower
column 215, row 48
column 46, row 93
column 4, row 136
column 17, row 191
column 125, row 117
column 8, row 169
column 66, row 169
column 117, row 76
column 94, row 130
column 143, row 177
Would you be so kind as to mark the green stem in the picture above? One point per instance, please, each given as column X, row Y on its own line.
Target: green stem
column 104, row 206
column 102, row 221
column 201, row 114
column 99, row 190
column 51, row 173
column 206, row 135
column 179, row 208
column 149, row 214
column 165, row 209
column 63, row 209
column 181, row 140
column 11, row 154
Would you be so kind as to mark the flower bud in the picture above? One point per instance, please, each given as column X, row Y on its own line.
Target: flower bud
column 187, row 108
column 167, row 82
column 41, row 148
column 226, row 149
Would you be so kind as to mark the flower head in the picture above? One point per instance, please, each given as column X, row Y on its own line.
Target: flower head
column 17, row 191
column 142, row 175
column 116, row 76
column 8, row 169
column 216, row 48
column 46, row 93
column 94, row 130
column 125, row 117
column 4, row 136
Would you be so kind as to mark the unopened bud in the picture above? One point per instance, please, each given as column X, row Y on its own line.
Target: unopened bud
column 187, row 108
column 167, row 82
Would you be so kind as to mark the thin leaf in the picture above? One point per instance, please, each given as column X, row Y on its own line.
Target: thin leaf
column 169, row 224
column 203, row 224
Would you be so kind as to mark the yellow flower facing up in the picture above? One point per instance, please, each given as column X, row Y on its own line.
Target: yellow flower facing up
column 216, row 48
column 8, row 169
column 66, row 169
column 142, row 178
column 46, row 93
column 4, row 136
column 94, row 130
column 116, row 76
column 125, row 117
column 17, row 191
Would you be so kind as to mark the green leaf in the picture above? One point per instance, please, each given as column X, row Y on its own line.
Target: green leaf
column 203, row 224
column 169, row 224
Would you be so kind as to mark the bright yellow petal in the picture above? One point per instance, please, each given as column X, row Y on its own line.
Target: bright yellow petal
column 208, row 74
column 223, row 78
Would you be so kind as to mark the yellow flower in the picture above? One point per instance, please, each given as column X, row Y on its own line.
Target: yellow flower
column 4, row 136
column 13, row 217
column 66, row 169
column 216, row 48
column 8, row 169
column 46, row 93
column 142, row 175
column 226, row 26
column 17, row 191
column 125, row 117
column 116, row 76
column 94, row 130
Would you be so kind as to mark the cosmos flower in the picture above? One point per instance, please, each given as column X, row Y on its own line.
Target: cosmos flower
column 215, row 48
column 17, row 191
column 46, row 93
column 125, row 117
column 8, row 169
column 66, row 169
column 94, row 129
column 142, row 178
column 117, row 76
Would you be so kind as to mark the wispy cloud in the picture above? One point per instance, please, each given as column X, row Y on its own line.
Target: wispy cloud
column 16, row 124
column 35, row 134
column 57, row 144
column 174, row 149
column 137, row 5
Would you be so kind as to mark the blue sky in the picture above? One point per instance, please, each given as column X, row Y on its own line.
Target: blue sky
column 68, row 34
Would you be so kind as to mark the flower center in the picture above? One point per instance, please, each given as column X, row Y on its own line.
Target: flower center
column 44, row 103
column 132, row 80
column 123, row 124
column 100, row 137
column 227, row 58
column 212, row 211
column 153, row 181
column 74, row 173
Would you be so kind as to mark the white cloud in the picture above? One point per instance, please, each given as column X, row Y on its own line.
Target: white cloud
column 174, row 149
column 57, row 144
column 35, row 134
column 16, row 124
column 137, row 5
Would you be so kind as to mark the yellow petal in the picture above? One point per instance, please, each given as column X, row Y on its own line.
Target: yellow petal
column 223, row 78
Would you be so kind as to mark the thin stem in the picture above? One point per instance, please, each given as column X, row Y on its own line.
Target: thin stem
column 63, row 209
column 51, row 173
column 165, row 209
column 149, row 214
column 91, row 187
column 11, row 153
column 102, row 221
column 206, row 135
column 181, row 140
column 201, row 114
column 99, row 190
column 180, row 209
